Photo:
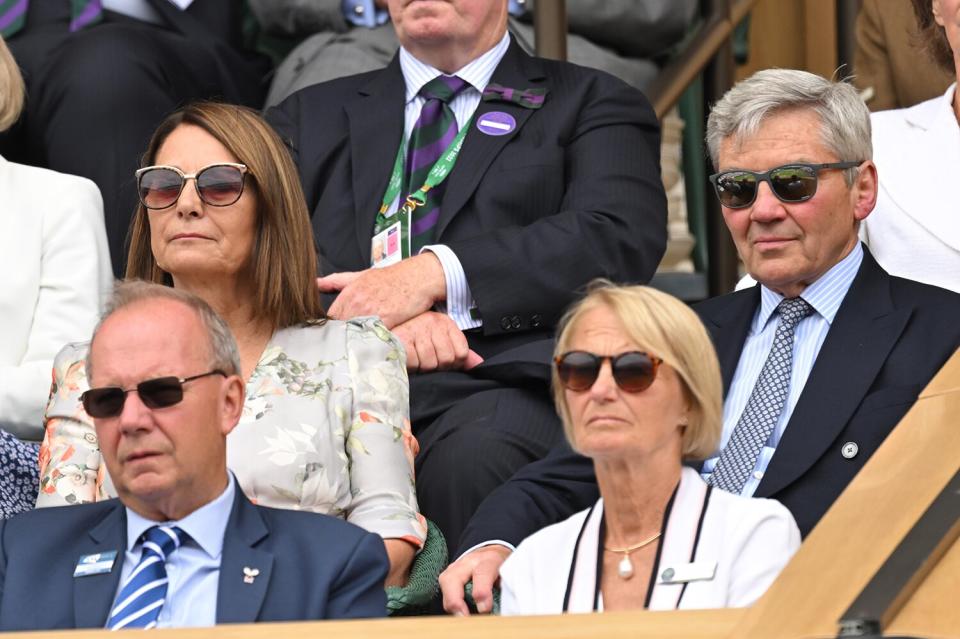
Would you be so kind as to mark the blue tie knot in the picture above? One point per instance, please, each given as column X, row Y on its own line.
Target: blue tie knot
column 162, row 540
column 443, row 88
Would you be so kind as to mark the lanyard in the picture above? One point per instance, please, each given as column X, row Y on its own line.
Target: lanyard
column 438, row 173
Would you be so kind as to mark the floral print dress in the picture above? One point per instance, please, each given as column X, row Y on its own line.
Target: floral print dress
column 325, row 428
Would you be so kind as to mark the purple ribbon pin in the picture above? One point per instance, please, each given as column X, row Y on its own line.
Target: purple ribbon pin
column 496, row 123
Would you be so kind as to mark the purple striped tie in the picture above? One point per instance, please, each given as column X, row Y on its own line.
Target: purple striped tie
column 12, row 16
column 84, row 13
column 432, row 134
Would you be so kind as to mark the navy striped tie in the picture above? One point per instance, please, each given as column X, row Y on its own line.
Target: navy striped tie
column 141, row 598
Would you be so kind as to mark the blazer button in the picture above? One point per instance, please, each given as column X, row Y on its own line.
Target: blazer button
column 536, row 320
column 515, row 322
column 849, row 450
column 505, row 322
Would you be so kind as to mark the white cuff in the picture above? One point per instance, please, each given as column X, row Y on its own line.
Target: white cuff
column 484, row 544
column 459, row 299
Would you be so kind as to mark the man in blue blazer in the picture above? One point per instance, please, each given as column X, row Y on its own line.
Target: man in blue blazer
column 182, row 546
column 556, row 183
column 795, row 179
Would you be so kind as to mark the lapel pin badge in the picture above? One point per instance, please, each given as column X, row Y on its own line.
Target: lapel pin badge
column 496, row 123
column 849, row 450
column 249, row 574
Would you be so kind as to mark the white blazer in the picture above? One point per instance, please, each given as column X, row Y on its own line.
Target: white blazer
column 914, row 231
column 718, row 550
column 56, row 265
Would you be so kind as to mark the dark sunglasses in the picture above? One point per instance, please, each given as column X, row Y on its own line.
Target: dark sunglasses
column 217, row 184
column 633, row 371
column 154, row 393
column 790, row 183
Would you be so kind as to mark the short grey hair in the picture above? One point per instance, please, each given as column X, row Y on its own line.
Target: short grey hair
column 224, row 355
column 845, row 119
column 11, row 88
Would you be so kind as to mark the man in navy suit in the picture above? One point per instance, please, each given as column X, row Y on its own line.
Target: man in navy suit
column 795, row 179
column 556, row 183
column 165, row 392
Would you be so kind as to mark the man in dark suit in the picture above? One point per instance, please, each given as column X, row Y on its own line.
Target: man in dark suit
column 182, row 546
column 556, row 183
column 793, row 151
column 101, row 75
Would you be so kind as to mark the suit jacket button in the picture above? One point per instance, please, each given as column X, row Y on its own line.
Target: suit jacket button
column 535, row 320
column 849, row 450
column 515, row 321
column 505, row 322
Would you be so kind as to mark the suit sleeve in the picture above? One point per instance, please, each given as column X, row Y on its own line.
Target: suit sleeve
column 539, row 494
column 611, row 218
column 358, row 591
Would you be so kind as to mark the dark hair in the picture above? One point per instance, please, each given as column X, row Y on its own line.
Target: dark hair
column 931, row 36
column 284, row 263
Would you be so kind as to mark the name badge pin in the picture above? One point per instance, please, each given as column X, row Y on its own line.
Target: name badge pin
column 95, row 564
column 496, row 123
column 249, row 574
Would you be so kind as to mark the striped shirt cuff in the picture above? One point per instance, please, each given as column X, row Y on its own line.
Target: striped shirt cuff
column 459, row 298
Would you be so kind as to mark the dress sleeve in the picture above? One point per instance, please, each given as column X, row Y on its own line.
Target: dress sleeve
column 380, row 445
column 70, row 468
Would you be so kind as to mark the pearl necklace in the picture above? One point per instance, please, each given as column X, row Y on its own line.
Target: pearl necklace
column 625, row 567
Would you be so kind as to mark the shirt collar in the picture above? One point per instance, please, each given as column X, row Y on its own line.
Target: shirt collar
column 825, row 295
column 206, row 525
column 477, row 73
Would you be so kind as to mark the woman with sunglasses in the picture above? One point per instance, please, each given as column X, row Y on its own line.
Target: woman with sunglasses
column 325, row 425
column 637, row 385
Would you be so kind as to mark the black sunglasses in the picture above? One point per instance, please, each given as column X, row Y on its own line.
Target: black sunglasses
column 217, row 184
column 633, row 371
column 154, row 393
column 790, row 183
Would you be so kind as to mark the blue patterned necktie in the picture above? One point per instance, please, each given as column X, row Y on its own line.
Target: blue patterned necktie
column 433, row 132
column 140, row 599
column 13, row 14
column 766, row 402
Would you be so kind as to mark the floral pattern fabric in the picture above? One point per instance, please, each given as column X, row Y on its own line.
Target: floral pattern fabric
column 325, row 428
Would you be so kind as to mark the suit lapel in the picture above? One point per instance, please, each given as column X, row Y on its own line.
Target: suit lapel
column 93, row 595
column 244, row 569
column 375, row 119
column 863, row 333
column 728, row 326
column 516, row 70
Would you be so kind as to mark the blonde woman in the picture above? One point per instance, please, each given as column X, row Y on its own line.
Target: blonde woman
column 637, row 385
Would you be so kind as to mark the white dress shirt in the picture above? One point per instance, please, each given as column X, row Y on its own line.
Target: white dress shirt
column 141, row 9
column 825, row 296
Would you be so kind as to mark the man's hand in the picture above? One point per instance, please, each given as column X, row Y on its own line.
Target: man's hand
column 433, row 341
column 483, row 567
column 396, row 293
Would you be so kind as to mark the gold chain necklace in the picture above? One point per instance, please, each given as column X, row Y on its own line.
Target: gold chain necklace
column 625, row 567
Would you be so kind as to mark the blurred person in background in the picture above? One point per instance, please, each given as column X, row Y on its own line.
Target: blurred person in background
column 914, row 231
column 53, row 249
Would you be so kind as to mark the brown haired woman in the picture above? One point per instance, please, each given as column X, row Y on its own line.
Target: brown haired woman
column 325, row 425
